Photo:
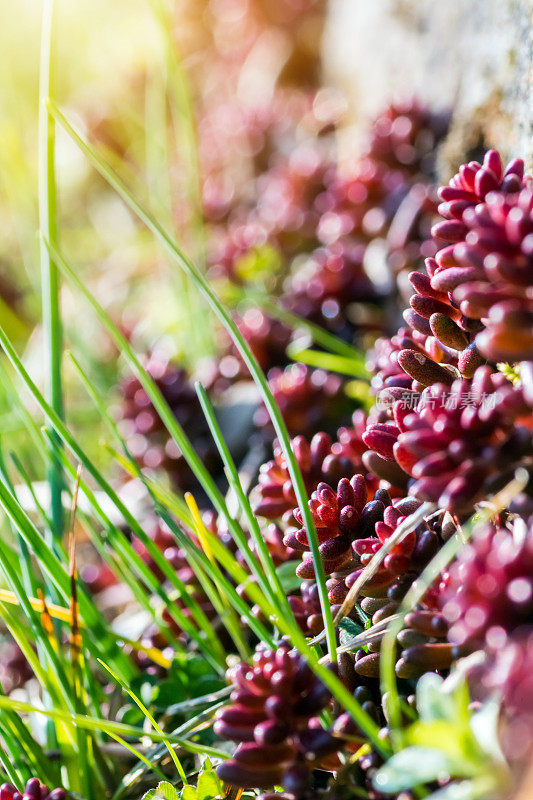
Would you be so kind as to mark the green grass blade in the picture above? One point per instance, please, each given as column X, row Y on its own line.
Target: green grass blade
column 257, row 374
column 49, row 271
column 110, row 726
column 137, row 754
column 51, row 563
column 205, row 637
column 135, row 568
column 61, row 579
column 319, row 335
column 26, row 565
column 194, row 725
column 22, row 412
column 276, row 593
column 327, row 361
column 150, row 719
column 8, row 767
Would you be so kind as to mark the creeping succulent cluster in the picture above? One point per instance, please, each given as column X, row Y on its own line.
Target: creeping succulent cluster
column 34, row 790
column 274, row 703
column 490, row 590
column 333, row 289
column 146, row 436
column 456, row 437
column 340, row 517
column 476, row 297
column 321, row 459
column 317, row 461
column 322, row 218
column 449, row 432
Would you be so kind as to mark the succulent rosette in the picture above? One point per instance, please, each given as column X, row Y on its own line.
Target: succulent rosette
column 341, row 515
column 458, row 437
column 309, row 399
column 476, row 296
column 147, row 438
column 273, row 705
column 489, row 594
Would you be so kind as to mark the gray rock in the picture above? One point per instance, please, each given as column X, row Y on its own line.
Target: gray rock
column 473, row 55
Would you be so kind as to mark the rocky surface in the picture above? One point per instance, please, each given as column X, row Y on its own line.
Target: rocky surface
column 474, row 55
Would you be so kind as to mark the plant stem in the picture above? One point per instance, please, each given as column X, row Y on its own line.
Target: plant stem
column 49, row 271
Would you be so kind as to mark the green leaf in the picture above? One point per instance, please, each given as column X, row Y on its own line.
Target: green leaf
column 484, row 726
column 466, row 790
column 288, row 577
column 166, row 790
column 447, row 737
column 431, row 701
column 259, row 263
column 328, row 361
column 410, row 767
column 209, row 785
column 348, row 629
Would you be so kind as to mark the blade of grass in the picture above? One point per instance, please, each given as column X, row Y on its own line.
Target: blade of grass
column 166, row 499
column 8, row 768
column 128, row 557
column 110, row 726
column 150, row 718
column 203, row 564
column 319, row 335
column 25, row 749
column 328, row 361
column 17, row 513
column 59, row 577
column 194, row 725
column 137, row 754
column 29, row 580
column 31, row 489
column 25, row 639
column 83, row 739
column 27, row 571
column 162, row 494
column 218, row 598
column 60, row 686
column 205, row 637
column 227, row 616
column 273, row 579
column 22, row 412
column 257, row 374
column 49, row 271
